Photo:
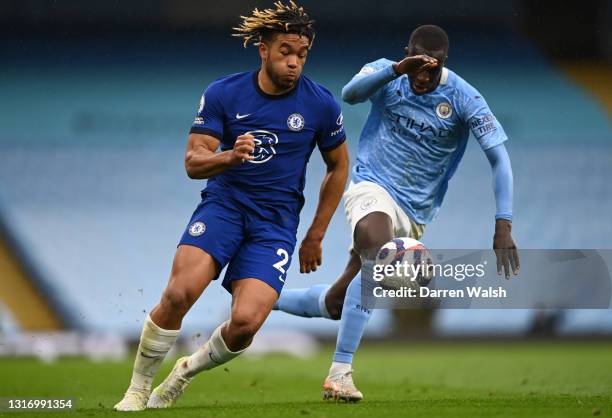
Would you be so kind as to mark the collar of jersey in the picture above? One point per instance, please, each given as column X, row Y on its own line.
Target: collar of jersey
column 273, row 96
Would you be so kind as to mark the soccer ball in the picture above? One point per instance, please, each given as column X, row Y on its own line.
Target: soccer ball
column 403, row 262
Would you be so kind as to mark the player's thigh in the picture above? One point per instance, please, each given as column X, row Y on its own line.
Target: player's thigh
column 252, row 302
column 372, row 231
column 210, row 240
column 192, row 271
column 371, row 212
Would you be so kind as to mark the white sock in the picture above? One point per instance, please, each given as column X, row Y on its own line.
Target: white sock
column 339, row 368
column 322, row 305
column 154, row 345
column 212, row 354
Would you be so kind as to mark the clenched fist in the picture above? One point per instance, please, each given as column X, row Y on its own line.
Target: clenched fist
column 243, row 149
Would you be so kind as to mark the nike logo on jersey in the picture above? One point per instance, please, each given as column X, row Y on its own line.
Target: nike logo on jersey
column 239, row 116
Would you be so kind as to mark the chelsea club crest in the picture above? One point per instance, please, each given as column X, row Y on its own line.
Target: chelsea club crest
column 295, row 122
column 196, row 229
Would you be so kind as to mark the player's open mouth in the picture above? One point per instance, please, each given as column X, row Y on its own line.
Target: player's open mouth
column 419, row 89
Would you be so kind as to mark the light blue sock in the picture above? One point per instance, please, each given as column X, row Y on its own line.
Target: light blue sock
column 309, row 302
column 354, row 318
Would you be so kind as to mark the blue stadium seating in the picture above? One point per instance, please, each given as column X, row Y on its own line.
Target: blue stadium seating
column 93, row 187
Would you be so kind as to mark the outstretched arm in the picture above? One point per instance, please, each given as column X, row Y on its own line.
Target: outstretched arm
column 503, row 243
column 362, row 86
column 337, row 162
column 365, row 84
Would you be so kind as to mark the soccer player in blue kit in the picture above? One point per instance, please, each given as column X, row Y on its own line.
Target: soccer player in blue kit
column 266, row 124
column 414, row 137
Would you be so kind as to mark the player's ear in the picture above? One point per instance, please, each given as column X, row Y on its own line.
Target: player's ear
column 263, row 50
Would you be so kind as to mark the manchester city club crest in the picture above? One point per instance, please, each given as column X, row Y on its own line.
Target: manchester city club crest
column 295, row 122
column 444, row 110
column 196, row 229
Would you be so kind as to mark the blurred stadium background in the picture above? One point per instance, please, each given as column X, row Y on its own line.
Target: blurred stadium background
column 97, row 99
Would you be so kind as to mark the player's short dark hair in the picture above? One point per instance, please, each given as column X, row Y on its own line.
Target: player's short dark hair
column 284, row 18
column 429, row 37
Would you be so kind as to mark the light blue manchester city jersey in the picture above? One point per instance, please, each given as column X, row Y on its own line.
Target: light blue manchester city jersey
column 411, row 145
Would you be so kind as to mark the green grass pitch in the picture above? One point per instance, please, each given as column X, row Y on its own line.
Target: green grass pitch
column 553, row 379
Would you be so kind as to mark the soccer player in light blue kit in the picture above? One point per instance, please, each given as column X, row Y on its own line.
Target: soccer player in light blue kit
column 413, row 139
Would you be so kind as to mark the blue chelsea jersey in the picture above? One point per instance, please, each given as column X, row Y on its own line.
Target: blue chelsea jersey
column 411, row 145
column 286, row 129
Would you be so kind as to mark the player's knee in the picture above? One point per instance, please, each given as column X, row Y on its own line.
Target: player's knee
column 372, row 232
column 176, row 300
column 368, row 241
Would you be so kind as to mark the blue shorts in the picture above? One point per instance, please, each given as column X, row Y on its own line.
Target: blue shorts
column 254, row 247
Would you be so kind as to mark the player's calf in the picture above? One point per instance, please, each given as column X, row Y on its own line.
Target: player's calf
column 241, row 329
column 252, row 302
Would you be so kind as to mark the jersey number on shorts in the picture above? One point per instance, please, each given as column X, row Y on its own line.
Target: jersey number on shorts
column 279, row 266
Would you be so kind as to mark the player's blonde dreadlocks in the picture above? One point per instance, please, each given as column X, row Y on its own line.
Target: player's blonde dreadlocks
column 287, row 18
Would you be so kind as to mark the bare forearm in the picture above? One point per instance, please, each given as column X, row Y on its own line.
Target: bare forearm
column 202, row 164
column 329, row 197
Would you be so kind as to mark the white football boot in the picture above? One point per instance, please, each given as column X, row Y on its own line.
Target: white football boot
column 135, row 399
column 168, row 392
column 340, row 387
